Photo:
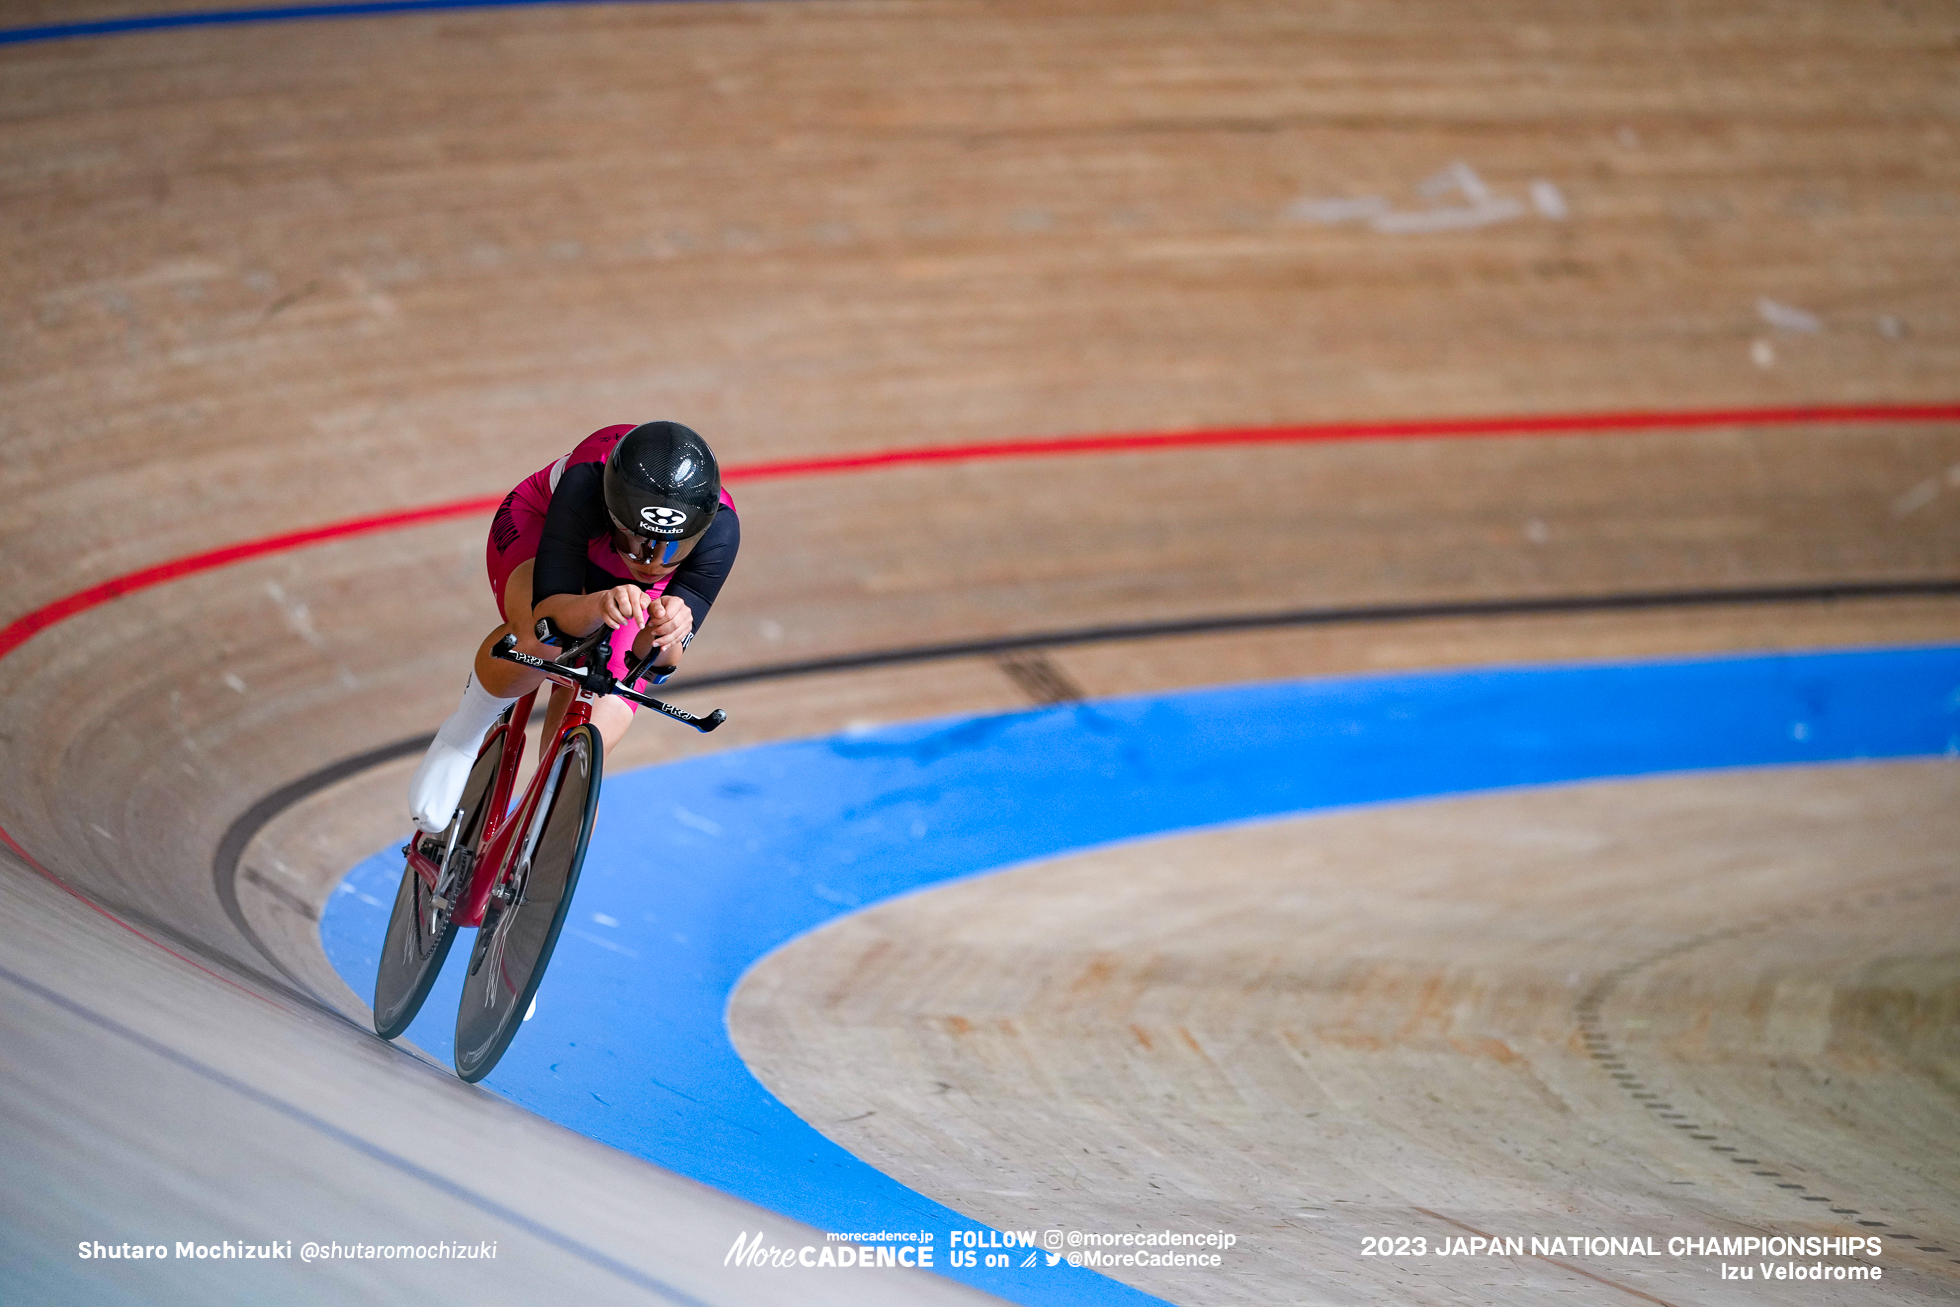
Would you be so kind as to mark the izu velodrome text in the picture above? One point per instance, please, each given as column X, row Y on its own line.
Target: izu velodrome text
column 1625, row 1246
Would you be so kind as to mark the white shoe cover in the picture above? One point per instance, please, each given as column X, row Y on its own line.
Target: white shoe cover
column 438, row 786
column 445, row 770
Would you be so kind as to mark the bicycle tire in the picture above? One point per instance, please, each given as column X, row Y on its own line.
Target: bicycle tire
column 419, row 933
column 521, row 925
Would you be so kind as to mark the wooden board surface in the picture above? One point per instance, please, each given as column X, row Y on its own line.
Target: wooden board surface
column 261, row 277
column 1313, row 1031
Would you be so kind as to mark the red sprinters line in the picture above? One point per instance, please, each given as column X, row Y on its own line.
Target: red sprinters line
column 1546, row 424
column 24, row 628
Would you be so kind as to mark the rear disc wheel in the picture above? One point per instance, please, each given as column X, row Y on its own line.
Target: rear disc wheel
column 528, row 908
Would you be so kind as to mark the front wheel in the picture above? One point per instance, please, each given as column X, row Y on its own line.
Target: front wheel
column 527, row 908
column 421, row 929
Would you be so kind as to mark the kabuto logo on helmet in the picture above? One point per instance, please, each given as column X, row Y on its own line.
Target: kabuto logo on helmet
column 662, row 519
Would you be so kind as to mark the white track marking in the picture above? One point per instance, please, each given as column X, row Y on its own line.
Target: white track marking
column 1458, row 219
column 1337, row 210
column 1481, row 207
column 1786, row 318
column 1916, row 498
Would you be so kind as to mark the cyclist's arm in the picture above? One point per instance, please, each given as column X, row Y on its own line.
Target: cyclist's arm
column 558, row 577
column 679, row 612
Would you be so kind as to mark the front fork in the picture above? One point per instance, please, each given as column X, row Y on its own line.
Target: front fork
column 507, row 890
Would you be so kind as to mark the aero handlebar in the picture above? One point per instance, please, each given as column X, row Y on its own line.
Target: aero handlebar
column 594, row 679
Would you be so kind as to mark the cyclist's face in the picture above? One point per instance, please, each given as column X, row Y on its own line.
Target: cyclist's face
column 650, row 557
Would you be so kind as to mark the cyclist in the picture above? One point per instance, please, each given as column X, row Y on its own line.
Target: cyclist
column 632, row 529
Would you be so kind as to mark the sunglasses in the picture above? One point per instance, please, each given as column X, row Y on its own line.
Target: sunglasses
column 649, row 551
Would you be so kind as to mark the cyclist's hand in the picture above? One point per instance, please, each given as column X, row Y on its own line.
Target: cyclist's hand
column 622, row 604
column 669, row 621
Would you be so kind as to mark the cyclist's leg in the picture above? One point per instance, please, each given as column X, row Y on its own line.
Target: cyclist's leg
column 554, row 713
column 612, row 715
column 492, row 687
column 508, row 680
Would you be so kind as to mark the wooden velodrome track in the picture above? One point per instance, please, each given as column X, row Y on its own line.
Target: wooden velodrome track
column 262, row 277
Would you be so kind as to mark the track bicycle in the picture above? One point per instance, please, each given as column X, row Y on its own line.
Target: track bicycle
column 508, row 872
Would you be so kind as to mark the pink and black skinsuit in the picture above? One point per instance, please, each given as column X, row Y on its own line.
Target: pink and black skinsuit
column 557, row 515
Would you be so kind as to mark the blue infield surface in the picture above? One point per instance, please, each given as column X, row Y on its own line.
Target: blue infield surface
column 700, row 868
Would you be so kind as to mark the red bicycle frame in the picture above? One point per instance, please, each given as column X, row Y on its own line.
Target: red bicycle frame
column 500, row 821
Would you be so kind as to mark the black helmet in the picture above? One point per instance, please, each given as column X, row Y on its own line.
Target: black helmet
column 662, row 486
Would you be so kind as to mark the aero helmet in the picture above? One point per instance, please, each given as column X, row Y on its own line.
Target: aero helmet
column 662, row 488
